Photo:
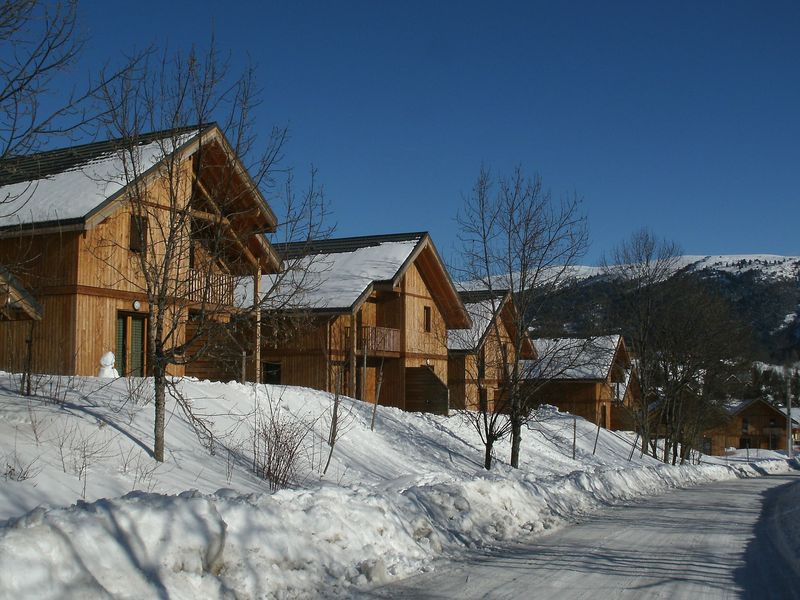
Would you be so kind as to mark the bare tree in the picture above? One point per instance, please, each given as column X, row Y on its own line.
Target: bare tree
column 515, row 235
column 197, row 215
column 700, row 344
column 38, row 42
column 637, row 266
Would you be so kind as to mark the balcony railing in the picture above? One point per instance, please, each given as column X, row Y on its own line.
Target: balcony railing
column 378, row 339
column 215, row 289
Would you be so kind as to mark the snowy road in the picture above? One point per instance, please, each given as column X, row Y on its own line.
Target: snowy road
column 737, row 539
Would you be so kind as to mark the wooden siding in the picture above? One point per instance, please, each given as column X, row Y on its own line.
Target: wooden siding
column 394, row 323
column 464, row 378
column 53, row 349
column 588, row 399
column 104, row 256
column 42, row 262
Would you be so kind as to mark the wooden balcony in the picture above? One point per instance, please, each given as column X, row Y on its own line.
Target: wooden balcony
column 379, row 340
column 213, row 289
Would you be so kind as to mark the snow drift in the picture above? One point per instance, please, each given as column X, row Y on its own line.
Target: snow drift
column 392, row 501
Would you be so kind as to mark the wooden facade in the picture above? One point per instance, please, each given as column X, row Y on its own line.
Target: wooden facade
column 478, row 357
column 394, row 333
column 753, row 424
column 595, row 381
column 86, row 272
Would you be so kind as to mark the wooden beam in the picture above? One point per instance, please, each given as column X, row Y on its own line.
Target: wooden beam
column 352, row 354
column 248, row 255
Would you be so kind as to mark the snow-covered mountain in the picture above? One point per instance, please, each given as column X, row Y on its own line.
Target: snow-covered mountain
column 764, row 289
column 767, row 267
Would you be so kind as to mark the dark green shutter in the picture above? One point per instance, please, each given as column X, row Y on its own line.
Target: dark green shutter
column 137, row 347
column 120, row 350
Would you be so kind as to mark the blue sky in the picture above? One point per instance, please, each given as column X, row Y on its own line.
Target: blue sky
column 680, row 116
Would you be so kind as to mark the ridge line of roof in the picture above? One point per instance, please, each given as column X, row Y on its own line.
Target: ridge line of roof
column 343, row 244
column 47, row 163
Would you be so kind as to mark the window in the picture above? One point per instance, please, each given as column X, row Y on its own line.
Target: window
column 427, row 319
column 271, row 373
column 745, row 424
column 138, row 234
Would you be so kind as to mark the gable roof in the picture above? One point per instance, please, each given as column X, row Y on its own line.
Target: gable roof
column 64, row 186
column 75, row 188
column 588, row 359
column 67, row 186
column 339, row 274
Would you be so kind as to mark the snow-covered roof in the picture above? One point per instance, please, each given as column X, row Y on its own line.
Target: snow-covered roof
column 68, row 184
column 336, row 275
column 572, row 358
column 483, row 306
column 332, row 275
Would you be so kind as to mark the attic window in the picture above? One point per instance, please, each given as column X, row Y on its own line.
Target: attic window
column 427, row 320
column 138, row 234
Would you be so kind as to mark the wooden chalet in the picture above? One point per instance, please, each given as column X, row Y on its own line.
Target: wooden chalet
column 478, row 355
column 378, row 311
column 754, row 424
column 592, row 378
column 70, row 226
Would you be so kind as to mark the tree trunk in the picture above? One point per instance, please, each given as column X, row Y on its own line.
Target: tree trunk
column 487, row 458
column 516, row 437
column 160, row 385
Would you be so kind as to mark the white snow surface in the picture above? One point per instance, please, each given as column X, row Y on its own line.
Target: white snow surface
column 336, row 280
column 90, row 515
column 75, row 192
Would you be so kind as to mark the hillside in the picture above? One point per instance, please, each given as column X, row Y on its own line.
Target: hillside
column 762, row 289
column 90, row 515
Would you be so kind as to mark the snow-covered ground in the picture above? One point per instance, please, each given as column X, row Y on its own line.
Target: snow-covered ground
column 90, row 515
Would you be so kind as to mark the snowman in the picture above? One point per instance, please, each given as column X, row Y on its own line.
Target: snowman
column 107, row 369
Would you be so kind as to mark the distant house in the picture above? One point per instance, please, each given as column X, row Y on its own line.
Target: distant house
column 67, row 221
column 589, row 377
column 478, row 355
column 378, row 310
column 752, row 424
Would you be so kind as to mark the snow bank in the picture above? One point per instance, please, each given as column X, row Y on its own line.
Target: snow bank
column 299, row 543
column 392, row 502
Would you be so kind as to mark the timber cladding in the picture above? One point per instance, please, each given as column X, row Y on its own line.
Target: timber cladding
column 52, row 339
column 392, row 340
